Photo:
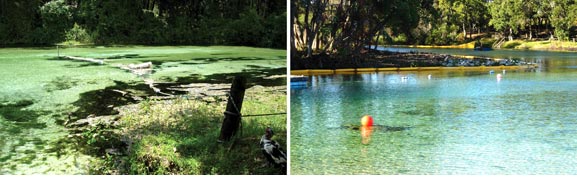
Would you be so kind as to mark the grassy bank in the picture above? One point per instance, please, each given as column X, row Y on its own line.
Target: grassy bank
column 541, row 45
column 486, row 42
column 179, row 136
column 515, row 44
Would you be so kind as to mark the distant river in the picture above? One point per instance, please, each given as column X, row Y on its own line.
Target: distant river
column 456, row 122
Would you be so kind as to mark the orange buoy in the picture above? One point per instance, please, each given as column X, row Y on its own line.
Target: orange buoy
column 367, row 121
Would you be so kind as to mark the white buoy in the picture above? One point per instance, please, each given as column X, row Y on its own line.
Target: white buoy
column 429, row 76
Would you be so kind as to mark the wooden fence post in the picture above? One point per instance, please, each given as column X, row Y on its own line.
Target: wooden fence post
column 232, row 114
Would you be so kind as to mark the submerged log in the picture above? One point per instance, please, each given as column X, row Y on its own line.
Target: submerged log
column 84, row 59
column 147, row 65
column 138, row 69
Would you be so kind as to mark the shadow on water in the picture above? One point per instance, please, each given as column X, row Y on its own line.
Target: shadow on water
column 197, row 62
column 255, row 76
column 158, row 63
column 20, row 118
column 222, row 54
column 382, row 128
column 214, row 59
column 124, row 56
column 60, row 83
column 102, row 102
column 86, row 64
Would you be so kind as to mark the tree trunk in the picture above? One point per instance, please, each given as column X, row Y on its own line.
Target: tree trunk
column 377, row 41
column 292, row 27
column 464, row 32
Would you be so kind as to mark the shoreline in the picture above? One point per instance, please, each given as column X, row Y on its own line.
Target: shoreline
column 375, row 61
column 518, row 45
column 308, row 72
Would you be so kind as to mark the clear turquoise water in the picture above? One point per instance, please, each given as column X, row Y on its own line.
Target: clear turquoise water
column 456, row 122
column 37, row 90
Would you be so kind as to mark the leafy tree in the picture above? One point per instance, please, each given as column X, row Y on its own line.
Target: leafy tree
column 19, row 20
column 563, row 15
column 507, row 15
column 56, row 19
column 345, row 27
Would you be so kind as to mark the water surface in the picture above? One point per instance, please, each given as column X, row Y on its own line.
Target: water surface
column 457, row 122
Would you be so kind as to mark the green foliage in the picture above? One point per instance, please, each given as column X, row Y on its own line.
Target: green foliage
column 101, row 136
column 179, row 136
column 56, row 19
column 19, row 21
column 443, row 34
column 346, row 26
column 563, row 15
column 198, row 22
column 247, row 30
column 78, row 34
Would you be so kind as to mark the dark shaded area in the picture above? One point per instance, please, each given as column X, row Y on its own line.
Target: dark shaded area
column 12, row 111
column 124, row 56
column 214, row 59
column 60, row 83
column 382, row 128
column 195, row 63
column 256, row 67
column 84, row 64
column 207, row 60
column 384, row 59
column 102, row 102
column 253, row 76
column 21, row 117
column 158, row 63
column 198, row 22
column 222, row 54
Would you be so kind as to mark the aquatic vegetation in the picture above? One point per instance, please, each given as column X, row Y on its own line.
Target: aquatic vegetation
column 42, row 93
column 179, row 136
column 61, row 83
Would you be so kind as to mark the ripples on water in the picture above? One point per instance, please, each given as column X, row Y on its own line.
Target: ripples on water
column 461, row 123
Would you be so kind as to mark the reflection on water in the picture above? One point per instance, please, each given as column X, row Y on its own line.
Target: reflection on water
column 461, row 122
column 366, row 134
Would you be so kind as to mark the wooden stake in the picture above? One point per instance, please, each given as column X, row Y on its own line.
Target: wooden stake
column 232, row 114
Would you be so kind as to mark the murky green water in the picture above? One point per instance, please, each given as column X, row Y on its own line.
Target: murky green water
column 38, row 91
column 454, row 123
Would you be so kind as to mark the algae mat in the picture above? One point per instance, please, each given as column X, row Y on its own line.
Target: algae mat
column 39, row 91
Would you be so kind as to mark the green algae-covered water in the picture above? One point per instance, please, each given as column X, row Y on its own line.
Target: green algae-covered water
column 38, row 91
column 456, row 122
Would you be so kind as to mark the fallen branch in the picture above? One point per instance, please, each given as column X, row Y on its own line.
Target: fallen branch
column 84, row 59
